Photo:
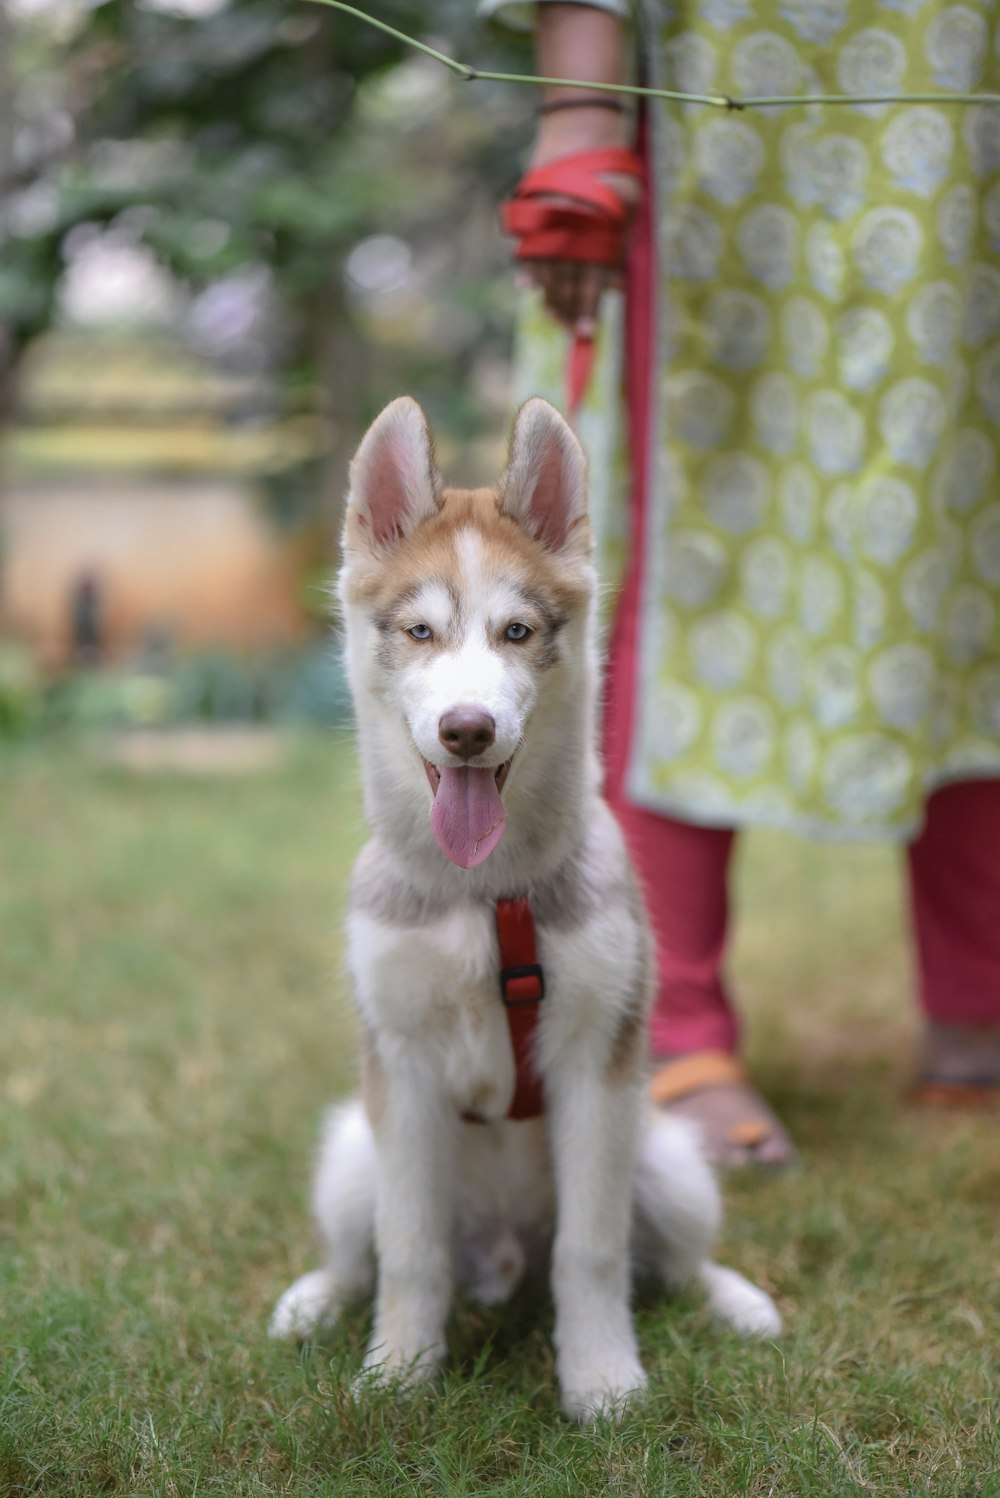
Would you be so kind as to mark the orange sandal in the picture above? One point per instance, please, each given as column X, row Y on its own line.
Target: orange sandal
column 956, row 1097
column 589, row 227
column 685, row 1076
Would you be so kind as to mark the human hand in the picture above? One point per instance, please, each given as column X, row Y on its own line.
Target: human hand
column 572, row 289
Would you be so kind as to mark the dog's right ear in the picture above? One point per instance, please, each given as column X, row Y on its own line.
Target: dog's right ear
column 544, row 486
column 394, row 479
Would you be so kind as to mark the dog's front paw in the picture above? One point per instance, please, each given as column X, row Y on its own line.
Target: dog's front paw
column 400, row 1367
column 603, row 1389
column 308, row 1306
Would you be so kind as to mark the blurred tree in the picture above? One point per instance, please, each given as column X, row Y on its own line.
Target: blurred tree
column 257, row 148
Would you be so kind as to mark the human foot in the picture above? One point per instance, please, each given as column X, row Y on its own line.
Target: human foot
column 712, row 1089
column 959, row 1067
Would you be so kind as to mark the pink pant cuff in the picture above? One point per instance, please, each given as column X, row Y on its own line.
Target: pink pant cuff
column 671, row 1035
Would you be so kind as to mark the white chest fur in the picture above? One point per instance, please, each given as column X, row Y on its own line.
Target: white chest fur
column 431, row 993
column 432, row 996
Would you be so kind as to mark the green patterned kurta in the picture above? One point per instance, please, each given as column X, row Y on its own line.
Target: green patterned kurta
column 821, row 631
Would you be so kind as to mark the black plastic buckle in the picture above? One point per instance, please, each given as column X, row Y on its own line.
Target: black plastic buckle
column 531, row 970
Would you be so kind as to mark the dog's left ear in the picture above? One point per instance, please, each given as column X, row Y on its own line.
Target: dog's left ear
column 544, row 486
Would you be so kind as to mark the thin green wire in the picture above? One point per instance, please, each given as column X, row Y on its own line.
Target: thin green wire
column 715, row 101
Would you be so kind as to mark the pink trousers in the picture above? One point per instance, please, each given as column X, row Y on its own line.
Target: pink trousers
column 954, row 884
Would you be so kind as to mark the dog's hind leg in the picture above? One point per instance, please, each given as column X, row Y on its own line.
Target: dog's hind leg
column 678, row 1214
column 678, row 1209
column 344, row 1207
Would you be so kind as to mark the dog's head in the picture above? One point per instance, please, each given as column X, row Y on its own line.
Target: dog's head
column 466, row 610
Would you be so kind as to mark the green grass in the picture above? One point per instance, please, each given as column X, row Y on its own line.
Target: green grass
column 175, row 1021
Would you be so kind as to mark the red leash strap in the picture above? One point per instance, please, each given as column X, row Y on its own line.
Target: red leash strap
column 522, row 988
column 578, row 371
column 589, row 228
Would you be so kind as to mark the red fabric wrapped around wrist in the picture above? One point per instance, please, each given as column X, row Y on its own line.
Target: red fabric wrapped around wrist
column 590, row 227
column 587, row 224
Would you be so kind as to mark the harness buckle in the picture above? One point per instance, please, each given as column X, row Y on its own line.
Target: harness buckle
column 531, row 985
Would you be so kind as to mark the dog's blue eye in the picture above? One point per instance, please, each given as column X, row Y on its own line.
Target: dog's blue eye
column 516, row 632
column 420, row 632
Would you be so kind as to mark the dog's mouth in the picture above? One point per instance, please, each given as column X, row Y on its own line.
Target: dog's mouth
column 467, row 817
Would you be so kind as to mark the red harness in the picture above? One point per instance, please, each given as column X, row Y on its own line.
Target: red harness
column 522, row 989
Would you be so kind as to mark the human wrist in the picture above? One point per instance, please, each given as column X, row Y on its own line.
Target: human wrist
column 579, row 42
column 578, row 130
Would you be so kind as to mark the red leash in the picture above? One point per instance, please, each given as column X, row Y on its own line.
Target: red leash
column 590, row 228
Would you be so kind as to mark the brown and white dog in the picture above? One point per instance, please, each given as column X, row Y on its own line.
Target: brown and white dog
column 472, row 656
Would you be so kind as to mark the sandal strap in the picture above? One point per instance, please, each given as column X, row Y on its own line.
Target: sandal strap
column 974, row 1094
column 695, row 1072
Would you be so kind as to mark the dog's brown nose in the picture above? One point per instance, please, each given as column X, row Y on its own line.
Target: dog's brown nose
column 466, row 731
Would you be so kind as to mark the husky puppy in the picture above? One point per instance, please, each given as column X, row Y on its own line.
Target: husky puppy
column 472, row 657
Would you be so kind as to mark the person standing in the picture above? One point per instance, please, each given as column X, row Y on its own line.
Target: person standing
column 808, row 630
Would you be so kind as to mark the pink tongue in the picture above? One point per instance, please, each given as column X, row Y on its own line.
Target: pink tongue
column 467, row 817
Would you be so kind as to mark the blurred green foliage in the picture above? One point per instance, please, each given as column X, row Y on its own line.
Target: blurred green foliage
column 269, row 144
column 294, row 687
column 264, row 135
column 21, row 692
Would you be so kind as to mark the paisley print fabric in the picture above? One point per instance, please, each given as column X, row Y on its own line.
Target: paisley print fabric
column 821, row 625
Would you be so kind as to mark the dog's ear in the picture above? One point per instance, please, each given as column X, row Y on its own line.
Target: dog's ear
column 544, row 486
column 394, row 479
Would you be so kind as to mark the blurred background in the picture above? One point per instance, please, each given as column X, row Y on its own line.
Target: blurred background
column 230, row 231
